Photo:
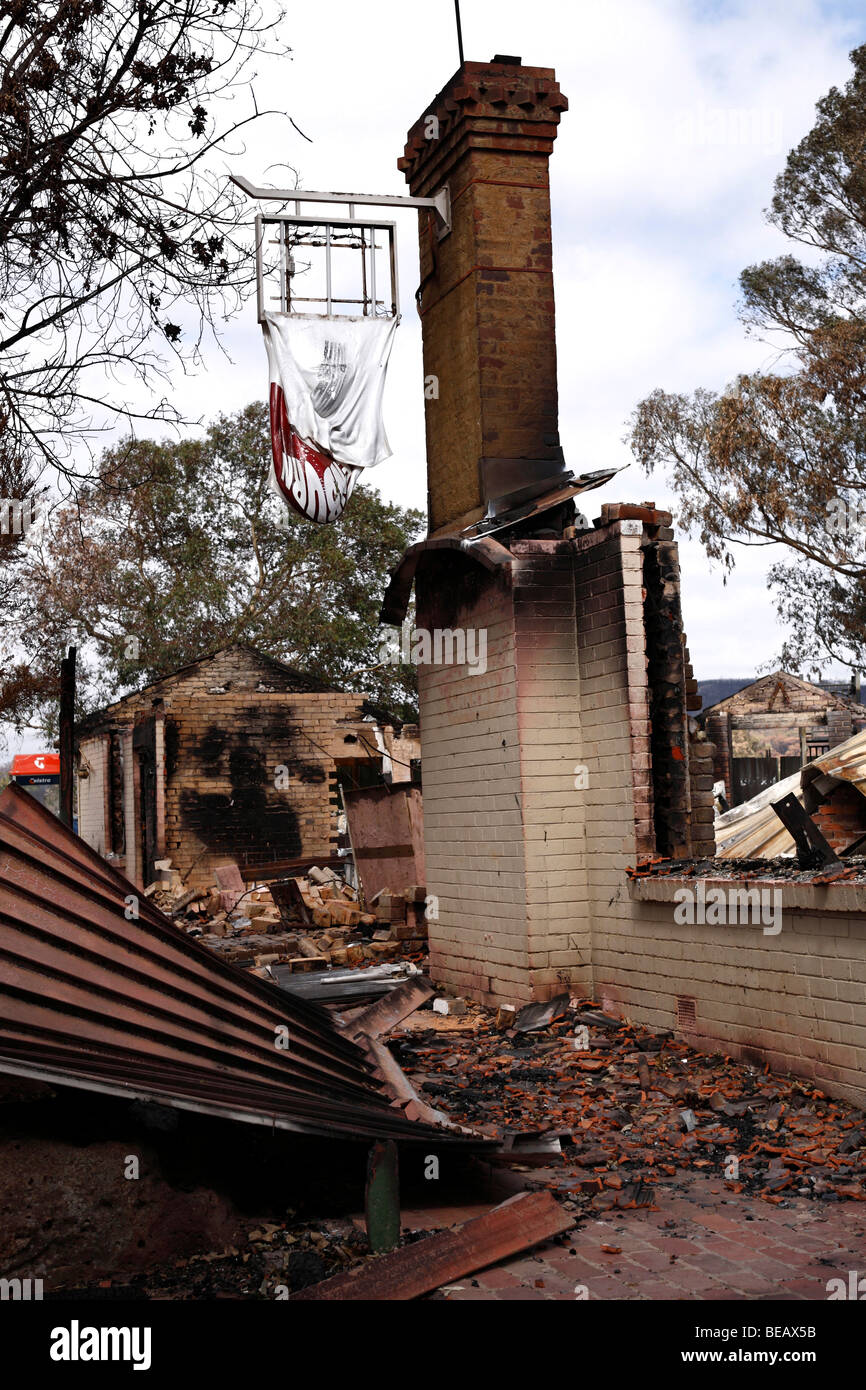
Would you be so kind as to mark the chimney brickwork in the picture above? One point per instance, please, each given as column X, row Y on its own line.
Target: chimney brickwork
column 571, row 754
column 718, row 727
column 486, row 294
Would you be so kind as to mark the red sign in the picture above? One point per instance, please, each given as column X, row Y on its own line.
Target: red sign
column 310, row 481
column 36, row 765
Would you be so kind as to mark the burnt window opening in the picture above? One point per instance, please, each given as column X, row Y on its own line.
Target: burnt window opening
column 115, row 794
column 171, row 736
column 356, row 773
column 144, row 751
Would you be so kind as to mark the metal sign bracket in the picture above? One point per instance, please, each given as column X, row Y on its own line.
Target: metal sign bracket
column 439, row 205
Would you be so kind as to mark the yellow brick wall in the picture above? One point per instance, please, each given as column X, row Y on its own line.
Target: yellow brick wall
column 227, row 728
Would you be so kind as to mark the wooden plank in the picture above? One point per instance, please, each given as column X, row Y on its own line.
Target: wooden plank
column 386, row 1013
column 400, row 1087
column 386, row 826
column 525, row 1220
column 67, row 735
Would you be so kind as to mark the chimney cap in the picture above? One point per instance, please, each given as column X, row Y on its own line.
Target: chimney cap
column 507, row 60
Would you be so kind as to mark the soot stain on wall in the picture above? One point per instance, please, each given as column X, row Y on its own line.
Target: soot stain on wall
column 281, row 734
column 252, row 821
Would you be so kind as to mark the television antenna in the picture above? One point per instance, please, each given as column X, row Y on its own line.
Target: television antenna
column 459, row 31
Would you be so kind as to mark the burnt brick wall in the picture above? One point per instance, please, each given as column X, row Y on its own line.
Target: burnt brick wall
column 611, row 644
column 718, row 728
column 551, row 715
column 226, row 798
column 225, row 730
column 538, row 775
column 473, row 816
column 669, row 740
column 93, row 777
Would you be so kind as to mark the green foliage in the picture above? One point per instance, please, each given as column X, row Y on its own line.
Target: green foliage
column 175, row 550
column 782, row 457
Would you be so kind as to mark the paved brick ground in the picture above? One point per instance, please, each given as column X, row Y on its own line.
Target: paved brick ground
column 702, row 1243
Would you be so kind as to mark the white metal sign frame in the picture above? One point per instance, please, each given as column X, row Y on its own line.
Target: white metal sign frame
column 440, row 206
column 369, row 302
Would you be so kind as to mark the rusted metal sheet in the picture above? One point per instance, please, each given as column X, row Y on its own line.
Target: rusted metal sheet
column 522, row 1221
column 401, row 1087
column 99, row 990
column 386, row 828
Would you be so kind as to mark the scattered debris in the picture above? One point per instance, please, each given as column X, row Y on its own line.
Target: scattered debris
column 304, row 925
column 341, row 986
column 450, row 1008
column 628, row 1115
column 535, row 1016
column 380, row 1018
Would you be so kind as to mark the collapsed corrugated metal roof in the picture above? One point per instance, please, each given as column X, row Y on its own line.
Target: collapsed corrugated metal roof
column 137, row 1008
column 754, row 831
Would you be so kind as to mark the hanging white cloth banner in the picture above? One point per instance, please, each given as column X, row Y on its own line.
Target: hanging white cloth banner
column 327, row 382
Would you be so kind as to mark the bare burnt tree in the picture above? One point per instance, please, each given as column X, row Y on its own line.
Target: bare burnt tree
column 120, row 241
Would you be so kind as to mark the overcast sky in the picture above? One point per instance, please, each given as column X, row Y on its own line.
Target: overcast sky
column 681, row 115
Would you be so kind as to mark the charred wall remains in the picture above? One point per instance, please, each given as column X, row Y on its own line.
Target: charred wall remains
column 235, row 757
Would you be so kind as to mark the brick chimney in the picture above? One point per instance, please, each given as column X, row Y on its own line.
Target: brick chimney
column 486, row 295
column 565, row 754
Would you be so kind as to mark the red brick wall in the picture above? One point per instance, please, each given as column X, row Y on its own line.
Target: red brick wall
column 842, row 817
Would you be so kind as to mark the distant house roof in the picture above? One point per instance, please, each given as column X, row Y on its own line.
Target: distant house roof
column 773, row 693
